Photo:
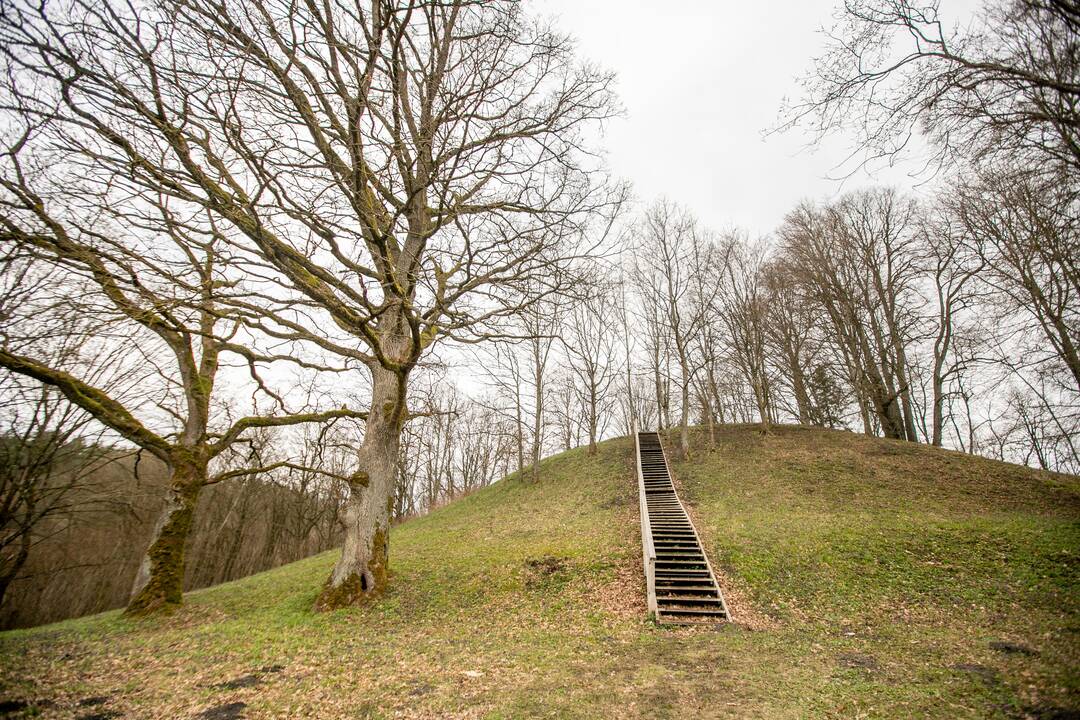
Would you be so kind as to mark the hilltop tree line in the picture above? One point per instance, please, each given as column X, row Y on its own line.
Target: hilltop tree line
column 276, row 275
column 949, row 321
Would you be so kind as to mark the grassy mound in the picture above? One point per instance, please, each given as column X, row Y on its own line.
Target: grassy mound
column 868, row 578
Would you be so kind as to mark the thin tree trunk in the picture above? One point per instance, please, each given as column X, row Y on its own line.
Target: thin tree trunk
column 939, row 404
column 684, row 419
column 762, row 400
column 707, row 409
column 538, row 404
column 970, row 424
column 520, row 429
column 798, row 388
column 864, row 415
column 660, row 411
column 593, row 422
column 718, row 401
column 941, row 348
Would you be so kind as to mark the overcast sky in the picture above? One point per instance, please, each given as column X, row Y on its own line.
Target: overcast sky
column 700, row 80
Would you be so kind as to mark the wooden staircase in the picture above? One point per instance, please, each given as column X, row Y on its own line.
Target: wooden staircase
column 681, row 585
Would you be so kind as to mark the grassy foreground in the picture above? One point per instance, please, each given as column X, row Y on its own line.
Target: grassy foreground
column 868, row 578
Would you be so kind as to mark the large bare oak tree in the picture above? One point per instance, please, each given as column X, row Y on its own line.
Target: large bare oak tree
column 409, row 169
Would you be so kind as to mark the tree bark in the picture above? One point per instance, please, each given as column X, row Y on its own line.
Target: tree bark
column 761, row 397
column 798, row 388
column 938, row 398
column 519, row 424
column 361, row 571
column 593, row 422
column 709, row 418
column 905, row 391
column 661, row 407
column 160, row 580
column 538, row 413
column 684, row 419
column 718, row 401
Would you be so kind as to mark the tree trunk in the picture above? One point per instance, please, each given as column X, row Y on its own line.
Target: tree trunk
column 593, row 422
column 941, row 348
column 660, row 411
column 885, row 398
column 709, row 419
column 939, row 406
column 905, row 393
column 520, row 427
column 864, row 415
column 361, row 571
column 889, row 415
column 718, row 401
column 684, row 420
column 798, row 388
column 160, row 580
column 761, row 398
column 538, row 416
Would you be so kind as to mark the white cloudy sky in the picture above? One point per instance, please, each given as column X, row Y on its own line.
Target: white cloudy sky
column 700, row 80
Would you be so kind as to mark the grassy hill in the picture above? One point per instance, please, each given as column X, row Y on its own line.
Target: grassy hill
column 867, row 578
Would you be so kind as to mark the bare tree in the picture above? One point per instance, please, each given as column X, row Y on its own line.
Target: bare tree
column 507, row 376
column 637, row 410
column 999, row 101
column 790, row 330
column 150, row 278
column 857, row 261
column 540, row 324
column 1006, row 86
column 953, row 271
column 86, row 554
column 393, row 168
column 710, row 258
column 593, row 356
column 877, row 225
column 669, row 250
column 745, row 315
column 566, row 409
column 458, row 446
column 1026, row 234
column 485, row 451
column 658, row 347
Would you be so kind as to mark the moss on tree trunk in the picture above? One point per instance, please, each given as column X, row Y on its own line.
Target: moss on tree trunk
column 159, row 583
column 357, row 587
column 361, row 571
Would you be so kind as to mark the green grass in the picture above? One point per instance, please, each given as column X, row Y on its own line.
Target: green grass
column 868, row 578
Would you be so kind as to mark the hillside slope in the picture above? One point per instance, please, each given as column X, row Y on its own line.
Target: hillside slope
column 868, row 578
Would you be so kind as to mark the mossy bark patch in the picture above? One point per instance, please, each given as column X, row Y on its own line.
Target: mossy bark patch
column 347, row 593
column 379, row 564
column 164, row 587
column 363, row 585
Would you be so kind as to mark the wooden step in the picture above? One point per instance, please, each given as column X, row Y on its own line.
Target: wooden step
column 691, row 612
column 666, row 590
column 688, row 600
